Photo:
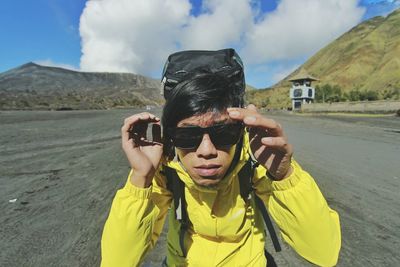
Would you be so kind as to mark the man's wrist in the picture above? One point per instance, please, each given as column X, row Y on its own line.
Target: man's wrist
column 279, row 178
column 141, row 182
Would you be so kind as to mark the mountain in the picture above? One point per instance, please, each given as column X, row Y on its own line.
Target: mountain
column 32, row 86
column 366, row 58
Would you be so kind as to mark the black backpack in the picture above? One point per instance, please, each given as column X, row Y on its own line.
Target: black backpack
column 182, row 65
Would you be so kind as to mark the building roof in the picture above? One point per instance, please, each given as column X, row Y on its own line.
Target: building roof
column 302, row 75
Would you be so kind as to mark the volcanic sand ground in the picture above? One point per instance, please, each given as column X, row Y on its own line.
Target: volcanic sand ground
column 60, row 170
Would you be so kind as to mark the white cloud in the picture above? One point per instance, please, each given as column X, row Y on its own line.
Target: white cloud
column 298, row 28
column 137, row 35
column 221, row 25
column 51, row 63
column 130, row 35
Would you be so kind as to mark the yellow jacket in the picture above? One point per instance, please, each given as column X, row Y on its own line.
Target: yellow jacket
column 225, row 232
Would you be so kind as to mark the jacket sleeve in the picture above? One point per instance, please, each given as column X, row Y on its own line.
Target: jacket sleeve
column 135, row 222
column 300, row 210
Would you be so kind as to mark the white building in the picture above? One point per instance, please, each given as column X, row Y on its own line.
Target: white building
column 301, row 91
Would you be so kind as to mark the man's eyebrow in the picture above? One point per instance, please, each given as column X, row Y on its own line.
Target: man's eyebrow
column 220, row 121
column 187, row 124
column 215, row 122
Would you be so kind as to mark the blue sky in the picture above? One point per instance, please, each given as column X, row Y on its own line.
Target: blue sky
column 128, row 36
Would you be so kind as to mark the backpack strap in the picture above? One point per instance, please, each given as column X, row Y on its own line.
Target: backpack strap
column 177, row 188
column 268, row 223
column 246, row 189
column 246, row 174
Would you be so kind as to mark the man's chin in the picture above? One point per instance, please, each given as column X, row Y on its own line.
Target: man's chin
column 207, row 181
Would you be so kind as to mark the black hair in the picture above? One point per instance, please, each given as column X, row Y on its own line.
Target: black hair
column 200, row 94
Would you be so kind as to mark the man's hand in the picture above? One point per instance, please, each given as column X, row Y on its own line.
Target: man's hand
column 268, row 143
column 143, row 154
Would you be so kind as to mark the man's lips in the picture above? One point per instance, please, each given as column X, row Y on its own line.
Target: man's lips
column 207, row 170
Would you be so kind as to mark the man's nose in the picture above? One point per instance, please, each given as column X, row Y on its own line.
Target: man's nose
column 206, row 148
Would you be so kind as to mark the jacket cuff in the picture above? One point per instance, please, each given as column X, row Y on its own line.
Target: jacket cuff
column 290, row 181
column 137, row 192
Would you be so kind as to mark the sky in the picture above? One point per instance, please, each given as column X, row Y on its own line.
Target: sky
column 273, row 37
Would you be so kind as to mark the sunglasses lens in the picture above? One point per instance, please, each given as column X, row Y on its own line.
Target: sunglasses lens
column 221, row 135
column 227, row 134
column 187, row 138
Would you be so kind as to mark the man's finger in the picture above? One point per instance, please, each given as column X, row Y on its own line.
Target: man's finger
column 240, row 113
column 252, row 107
column 144, row 116
column 140, row 121
column 252, row 118
column 128, row 122
column 274, row 141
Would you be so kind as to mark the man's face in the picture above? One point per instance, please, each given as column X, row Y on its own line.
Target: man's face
column 206, row 164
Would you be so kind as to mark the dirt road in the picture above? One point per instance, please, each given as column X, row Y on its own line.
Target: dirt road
column 59, row 172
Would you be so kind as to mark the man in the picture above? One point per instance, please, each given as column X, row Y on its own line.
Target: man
column 213, row 138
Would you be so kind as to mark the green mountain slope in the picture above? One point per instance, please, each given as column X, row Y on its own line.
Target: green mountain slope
column 366, row 58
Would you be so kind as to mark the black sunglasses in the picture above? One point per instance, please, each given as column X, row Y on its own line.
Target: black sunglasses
column 226, row 134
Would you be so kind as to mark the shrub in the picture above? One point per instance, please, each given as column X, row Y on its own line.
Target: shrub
column 354, row 95
column 329, row 93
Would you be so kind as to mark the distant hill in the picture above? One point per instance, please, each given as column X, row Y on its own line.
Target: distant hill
column 250, row 88
column 366, row 58
column 32, row 86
